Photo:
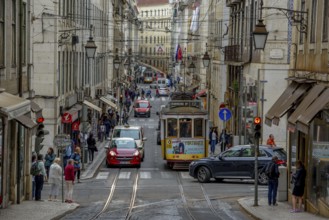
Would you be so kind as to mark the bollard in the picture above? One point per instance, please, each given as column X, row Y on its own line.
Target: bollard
column 283, row 184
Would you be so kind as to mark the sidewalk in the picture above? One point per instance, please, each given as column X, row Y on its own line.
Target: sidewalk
column 34, row 210
column 266, row 212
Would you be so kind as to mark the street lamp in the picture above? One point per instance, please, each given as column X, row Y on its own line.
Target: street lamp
column 206, row 59
column 90, row 48
column 260, row 35
column 116, row 62
column 191, row 67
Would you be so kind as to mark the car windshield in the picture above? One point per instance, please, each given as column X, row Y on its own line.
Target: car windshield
column 132, row 133
column 142, row 105
column 232, row 153
column 280, row 153
column 123, row 144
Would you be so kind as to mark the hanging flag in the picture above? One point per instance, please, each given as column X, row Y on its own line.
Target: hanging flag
column 179, row 53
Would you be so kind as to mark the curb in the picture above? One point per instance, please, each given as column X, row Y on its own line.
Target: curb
column 58, row 217
column 247, row 210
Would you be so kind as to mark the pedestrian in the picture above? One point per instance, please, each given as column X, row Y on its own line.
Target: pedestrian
column 298, row 179
column 49, row 159
column 55, row 178
column 69, row 181
column 91, row 142
column 76, row 156
column 67, row 154
column 102, row 131
column 213, row 139
column 270, row 141
column 40, row 177
column 33, row 161
column 224, row 140
column 272, row 172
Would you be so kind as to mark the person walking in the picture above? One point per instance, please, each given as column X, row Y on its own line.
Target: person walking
column 33, row 161
column 224, row 140
column 49, row 159
column 67, row 153
column 40, row 177
column 270, row 141
column 91, row 142
column 272, row 172
column 213, row 139
column 298, row 180
column 55, row 178
column 76, row 156
column 69, row 181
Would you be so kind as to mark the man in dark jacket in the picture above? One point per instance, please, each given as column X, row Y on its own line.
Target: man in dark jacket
column 272, row 172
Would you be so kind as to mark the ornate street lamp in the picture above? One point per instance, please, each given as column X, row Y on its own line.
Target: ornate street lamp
column 90, row 48
column 260, row 35
column 206, row 59
column 116, row 62
column 126, row 64
column 191, row 67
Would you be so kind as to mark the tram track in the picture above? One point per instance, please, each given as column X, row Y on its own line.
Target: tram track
column 110, row 199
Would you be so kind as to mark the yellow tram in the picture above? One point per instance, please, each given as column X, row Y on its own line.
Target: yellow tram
column 184, row 131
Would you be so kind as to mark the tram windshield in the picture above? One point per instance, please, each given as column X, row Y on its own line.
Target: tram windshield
column 198, row 127
column 172, row 127
column 185, row 127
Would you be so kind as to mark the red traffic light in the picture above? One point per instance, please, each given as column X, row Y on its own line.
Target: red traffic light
column 40, row 120
column 257, row 120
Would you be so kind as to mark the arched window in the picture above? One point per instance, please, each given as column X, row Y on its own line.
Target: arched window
column 150, row 13
column 146, row 39
column 159, row 12
column 146, row 13
column 155, row 40
column 150, row 40
column 150, row 50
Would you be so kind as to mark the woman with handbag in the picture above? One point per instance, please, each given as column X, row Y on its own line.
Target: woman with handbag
column 298, row 180
column 76, row 157
column 91, row 146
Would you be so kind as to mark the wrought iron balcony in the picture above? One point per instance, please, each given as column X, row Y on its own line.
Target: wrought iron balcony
column 233, row 53
column 230, row 3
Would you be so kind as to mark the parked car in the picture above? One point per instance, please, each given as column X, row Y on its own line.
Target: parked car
column 135, row 132
column 163, row 91
column 142, row 107
column 124, row 152
column 236, row 163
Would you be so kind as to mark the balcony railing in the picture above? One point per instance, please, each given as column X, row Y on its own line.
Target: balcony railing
column 233, row 54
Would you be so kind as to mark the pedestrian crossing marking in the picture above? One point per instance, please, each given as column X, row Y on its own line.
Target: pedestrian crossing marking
column 150, row 127
column 141, row 119
column 166, row 175
column 163, row 99
column 151, row 119
column 145, row 175
column 185, row 175
column 133, row 119
column 124, row 175
column 102, row 175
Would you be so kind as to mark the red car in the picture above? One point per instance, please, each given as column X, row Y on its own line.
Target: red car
column 123, row 152
column 142, row 107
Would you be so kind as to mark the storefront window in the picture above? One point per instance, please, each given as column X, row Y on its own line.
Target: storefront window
column 319, row 164
column 185, row 128
column 198, row 127
column 172, row 127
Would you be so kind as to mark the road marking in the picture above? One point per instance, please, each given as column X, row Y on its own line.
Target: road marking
column 133, row 119
column 151, row 169
column 151, row 119
column 163, row 99
column 145, row 175
column 150, row 127
column 102, row 175
column 166, row 175
column 141, row 119
column 124, row 175
column 185, row 175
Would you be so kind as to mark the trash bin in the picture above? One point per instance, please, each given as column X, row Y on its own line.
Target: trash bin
column 283, row 184
column 85, row 154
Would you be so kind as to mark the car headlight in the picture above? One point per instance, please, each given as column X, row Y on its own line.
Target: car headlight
column 136, row 153
column 112, row 153
column 192, row 163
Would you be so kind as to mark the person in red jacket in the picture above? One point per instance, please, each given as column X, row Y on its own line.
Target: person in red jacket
column 69, row 180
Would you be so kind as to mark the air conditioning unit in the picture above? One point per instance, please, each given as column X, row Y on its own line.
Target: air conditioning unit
column 80, row 95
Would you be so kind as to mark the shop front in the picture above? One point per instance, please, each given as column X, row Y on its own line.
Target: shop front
column 308, row 126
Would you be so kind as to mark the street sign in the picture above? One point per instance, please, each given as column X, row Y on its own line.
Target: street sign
column 224, row 114
column 62, row 140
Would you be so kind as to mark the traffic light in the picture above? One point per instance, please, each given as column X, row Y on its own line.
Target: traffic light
column 257, row 127
column 39, row 136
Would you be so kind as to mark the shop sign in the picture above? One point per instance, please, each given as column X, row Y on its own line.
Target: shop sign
column 66, row 118
column 75, row 126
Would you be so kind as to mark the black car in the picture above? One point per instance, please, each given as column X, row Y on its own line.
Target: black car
column 236, row 163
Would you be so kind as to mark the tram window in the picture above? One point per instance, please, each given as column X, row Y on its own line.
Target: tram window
column 198, row 127
column 172, row 127
column 185, row 127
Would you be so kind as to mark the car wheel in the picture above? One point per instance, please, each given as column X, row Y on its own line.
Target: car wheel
column 107, row 164
column 149, row 114
column 203, row 174
column 262, row 178
column 138, row 166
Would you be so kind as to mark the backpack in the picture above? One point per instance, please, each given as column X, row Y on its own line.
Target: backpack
column 270, row 171
column 35, row 169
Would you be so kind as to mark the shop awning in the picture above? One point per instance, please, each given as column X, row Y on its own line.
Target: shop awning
column 307, row 116
column 285, row 102
column 108, row 102
column 26, row 121
column 74, row 112
column 91, row 105
column 35, row 107
column 307, row 101
column 13, row 106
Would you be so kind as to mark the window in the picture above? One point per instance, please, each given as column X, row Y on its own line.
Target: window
column 325, row 21
column 232, row 153
column 24, row 35
column 155, row 40
column 146, row 39
column 150, row 40
column 313, row 21
column 185, row 128
column 301, row 35
column 2, row 33
column 13, row 34
column 198, row 127
column 171, row 127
